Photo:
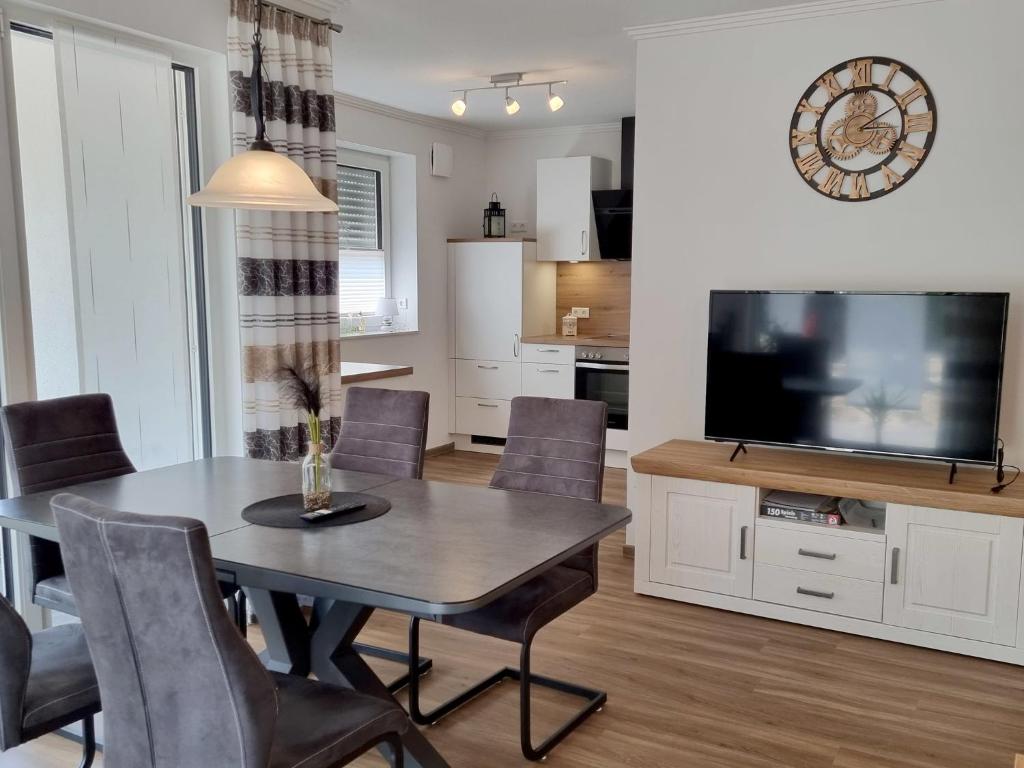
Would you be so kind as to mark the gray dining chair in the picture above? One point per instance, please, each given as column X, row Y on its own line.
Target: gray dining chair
column 46, row 683
column 181, row 687
column 66, row 441
column 554, row 447
column 384, row 431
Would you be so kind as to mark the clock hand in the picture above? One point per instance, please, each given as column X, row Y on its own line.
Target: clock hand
column 879, row 117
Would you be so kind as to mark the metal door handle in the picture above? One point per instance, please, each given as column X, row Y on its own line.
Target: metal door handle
column 815, row 593
column 488, row 367
column 548, row 350
column 515, row 345
column 547, row 370
column 743, row 542
column 583, row 242
column 894, row 577
column 819, row 555
column 486, row 405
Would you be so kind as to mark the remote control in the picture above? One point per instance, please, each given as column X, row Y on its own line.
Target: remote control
column 320, row 515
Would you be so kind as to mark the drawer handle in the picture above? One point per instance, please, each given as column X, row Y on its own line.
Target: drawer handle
column 547, row 370
column 743, row 542
column 895, row 575
column 486, row 405
column 815, row 593
column 488, row 367
column 549, row 350
column 819, row 555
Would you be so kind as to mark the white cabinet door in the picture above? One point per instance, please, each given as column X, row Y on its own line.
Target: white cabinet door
column 565, row 208
column 953, row 573
column 702, row 535
column 487, row 291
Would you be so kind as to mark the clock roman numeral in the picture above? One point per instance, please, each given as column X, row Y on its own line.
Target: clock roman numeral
column 799, row 138
column 808, row 108
column 858, row 186
column 828, row 82
column 890, row 178
column 832, row 184
column 912, row 154
column 811, row 163
column 861, row 71
column 916, row 91
column 893, row 70
column 919, row 121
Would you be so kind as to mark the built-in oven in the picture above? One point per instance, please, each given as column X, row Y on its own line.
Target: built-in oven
column 602, row 374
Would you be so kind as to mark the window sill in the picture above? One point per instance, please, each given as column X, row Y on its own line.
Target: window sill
column 376, row 334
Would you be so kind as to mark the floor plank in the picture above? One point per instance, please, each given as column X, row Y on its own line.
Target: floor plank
column 692, row 686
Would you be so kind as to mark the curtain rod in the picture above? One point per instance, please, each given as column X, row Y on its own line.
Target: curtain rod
column 329, row 24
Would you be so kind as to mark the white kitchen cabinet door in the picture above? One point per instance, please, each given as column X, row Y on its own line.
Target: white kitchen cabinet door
column 702, row 535
column 546, row 380
column 487, row 291
column 565, row 208
column 953, row 573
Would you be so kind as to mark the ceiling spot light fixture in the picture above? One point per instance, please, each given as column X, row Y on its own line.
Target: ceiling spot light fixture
column 555, row 102
column 509, row 81
column 459, row 105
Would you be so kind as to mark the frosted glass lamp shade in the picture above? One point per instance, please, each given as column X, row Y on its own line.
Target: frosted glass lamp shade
column 261, row 179
column 387, row 307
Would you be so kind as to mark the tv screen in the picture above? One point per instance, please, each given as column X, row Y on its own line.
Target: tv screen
column 911, row 374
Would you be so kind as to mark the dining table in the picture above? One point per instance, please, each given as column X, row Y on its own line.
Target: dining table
column 441, row 549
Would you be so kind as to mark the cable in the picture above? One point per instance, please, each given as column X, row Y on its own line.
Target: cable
column 1001, row 483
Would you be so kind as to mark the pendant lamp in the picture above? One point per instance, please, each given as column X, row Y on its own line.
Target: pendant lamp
column 259, row 178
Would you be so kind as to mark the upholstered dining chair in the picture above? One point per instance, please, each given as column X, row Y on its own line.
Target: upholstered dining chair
column 554, row 447
column 181, row 686
column 384, row 431
column 46, row 683
column 60, row 442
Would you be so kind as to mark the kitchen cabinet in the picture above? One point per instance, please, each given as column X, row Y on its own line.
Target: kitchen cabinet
column 497, row 293
column 953, row 573
column 702, row 535
column 549, row 380
column 565, row 210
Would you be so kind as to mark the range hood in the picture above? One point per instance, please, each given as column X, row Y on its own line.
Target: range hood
column 613, row 208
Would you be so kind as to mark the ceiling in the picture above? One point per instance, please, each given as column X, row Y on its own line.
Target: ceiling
column 411, row 53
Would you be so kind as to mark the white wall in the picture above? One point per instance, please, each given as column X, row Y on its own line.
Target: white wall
column 445, row 208
column 512, row 163
column 720, row 205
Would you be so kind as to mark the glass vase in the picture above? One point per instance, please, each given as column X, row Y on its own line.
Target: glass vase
column 316, row 479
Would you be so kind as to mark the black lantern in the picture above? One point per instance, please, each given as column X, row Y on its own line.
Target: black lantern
column 494, row 218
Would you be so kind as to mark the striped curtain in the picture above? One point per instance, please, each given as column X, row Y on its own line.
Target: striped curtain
column 287, row 262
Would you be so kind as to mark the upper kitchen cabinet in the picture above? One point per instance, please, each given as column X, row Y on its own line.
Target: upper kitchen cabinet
column 566, row 230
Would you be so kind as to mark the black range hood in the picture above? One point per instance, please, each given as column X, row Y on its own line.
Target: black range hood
column 613, row 208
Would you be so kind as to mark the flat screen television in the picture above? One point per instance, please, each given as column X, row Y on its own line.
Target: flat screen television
column 906, row 374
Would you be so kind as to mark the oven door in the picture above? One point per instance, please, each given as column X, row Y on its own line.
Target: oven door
column 607, row 382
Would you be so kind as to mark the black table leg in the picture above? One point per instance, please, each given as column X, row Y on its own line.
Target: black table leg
column 284, row 629
column 334, row 660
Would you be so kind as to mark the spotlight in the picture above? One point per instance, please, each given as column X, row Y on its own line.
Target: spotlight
column 555, row 102
column 459, row 106
column 511, row 105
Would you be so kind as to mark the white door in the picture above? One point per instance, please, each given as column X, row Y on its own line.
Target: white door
column 565, row 209
column 702, row 535
column 487, row 280
column 953, row 573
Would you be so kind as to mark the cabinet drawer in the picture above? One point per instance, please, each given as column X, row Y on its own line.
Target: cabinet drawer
column 546, row 380
column 821, row 553
column 817, row 591
column 478, row 416
column 488, row 379
column 558, row 354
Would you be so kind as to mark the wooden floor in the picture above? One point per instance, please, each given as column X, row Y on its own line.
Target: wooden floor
column 695, row 687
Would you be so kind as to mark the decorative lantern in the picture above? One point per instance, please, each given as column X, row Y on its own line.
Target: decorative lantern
column 494, row 218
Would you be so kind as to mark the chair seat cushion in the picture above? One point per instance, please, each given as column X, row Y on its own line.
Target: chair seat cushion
column 319, row 724
column 521, row 613
column 62, row 684
column 55, row 593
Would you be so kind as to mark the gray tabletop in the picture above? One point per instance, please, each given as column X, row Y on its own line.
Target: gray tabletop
column 443, row 548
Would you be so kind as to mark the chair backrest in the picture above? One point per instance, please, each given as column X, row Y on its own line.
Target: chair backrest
column 179, row 684
column 57, row 443
column 383, row 431
column 15, row 660
column 556, row 447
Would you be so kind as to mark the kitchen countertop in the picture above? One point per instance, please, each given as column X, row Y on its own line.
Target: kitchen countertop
column 352, row 373
column 582, row 341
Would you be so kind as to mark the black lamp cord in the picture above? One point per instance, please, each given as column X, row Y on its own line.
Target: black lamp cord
column 256, row 80
column 1001, row 468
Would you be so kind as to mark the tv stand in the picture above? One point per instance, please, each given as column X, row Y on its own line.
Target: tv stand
column 739, row 447
column 700, row 539
column 952, row 472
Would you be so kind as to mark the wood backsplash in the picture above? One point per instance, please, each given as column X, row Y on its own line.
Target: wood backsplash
column 601, row 285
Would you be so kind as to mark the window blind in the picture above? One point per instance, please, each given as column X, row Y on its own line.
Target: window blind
column 362, row 279
column 359, row 225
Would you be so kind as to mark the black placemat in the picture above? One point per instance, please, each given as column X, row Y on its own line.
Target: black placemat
column 284, row 511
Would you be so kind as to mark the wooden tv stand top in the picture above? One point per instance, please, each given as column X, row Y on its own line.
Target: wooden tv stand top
column 923, row 484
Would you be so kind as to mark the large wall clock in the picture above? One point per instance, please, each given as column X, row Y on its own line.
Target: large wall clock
column 863, row 129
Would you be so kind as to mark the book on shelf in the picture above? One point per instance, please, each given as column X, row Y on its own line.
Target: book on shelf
column 803, row 507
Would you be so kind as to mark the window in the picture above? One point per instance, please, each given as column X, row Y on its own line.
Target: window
column 363, row 231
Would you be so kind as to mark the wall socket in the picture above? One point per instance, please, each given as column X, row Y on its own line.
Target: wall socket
column 581, row 312
column 403, row 303
column 517, row 228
